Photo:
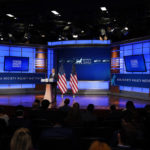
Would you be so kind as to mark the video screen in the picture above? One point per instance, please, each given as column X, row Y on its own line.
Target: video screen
column 92, row 63
column 13, row 63
column 135, row 63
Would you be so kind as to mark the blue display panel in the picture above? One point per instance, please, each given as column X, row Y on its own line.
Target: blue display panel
column 140, row 47
column 92, row 63
column 135, row 63
column 12, row 63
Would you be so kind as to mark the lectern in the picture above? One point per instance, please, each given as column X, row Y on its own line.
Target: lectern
column 49, row 93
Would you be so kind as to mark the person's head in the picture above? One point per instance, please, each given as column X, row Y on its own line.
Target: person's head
column 130, row 106
column 112, row 107
column 21, row 140
column 53, row 70
column 147, row 108
column 36, row 103
column 76, row 106
column 90, row 107
column 19, row 111
column 67, row 101
column 97, row 145
column 45, row 104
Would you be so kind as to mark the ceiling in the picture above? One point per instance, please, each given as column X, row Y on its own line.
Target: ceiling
column 35, row 23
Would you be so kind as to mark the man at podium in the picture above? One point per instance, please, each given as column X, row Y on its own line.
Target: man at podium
column 54, row 77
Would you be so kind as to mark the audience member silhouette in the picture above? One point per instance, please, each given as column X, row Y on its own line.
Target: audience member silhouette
column 114, row 114
column 4, row 116
column 97, row 145
column 130, row 112
column 74, row 116
column 88, row 117
column 19, row 120
column 36, row 104
column 21, row 140
column 66, row 108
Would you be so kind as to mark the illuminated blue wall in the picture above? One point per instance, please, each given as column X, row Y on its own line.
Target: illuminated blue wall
column 50, row 61
column 17, row 51
column 98, row 84
column 135, row 48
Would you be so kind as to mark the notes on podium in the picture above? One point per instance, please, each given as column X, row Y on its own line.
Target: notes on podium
column 48, row 92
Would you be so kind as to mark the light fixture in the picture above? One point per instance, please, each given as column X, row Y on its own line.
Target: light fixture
column 82, row 31
column 75, row 36
column 10, row 35
column 126, row 28
column 10, row 15
column 66, row 27
column 103, row 8
column 112, row 30
column 55, row 12
column 2, row 39
column 68, row 22
column 42, row 35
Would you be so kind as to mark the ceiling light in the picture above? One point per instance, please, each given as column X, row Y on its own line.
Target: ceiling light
column 10, row 15
column 66, row 27
column 2, row 39
column 43, row 35
column 112, row 30
column 55, row 12
column 103, row 8
column 75, row 36
column 68, row 22
column 126, row 28
column 82, row 31
column 10, row 35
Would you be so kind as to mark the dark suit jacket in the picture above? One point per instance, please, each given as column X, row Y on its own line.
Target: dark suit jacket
column 54, row 77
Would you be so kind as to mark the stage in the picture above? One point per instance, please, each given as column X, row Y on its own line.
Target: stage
column 100, row 101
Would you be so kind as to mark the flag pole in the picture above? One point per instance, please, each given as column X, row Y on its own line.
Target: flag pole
column 74, row 98
column 62, row 96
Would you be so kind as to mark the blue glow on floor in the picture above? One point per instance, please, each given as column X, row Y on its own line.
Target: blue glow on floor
column 100, row 102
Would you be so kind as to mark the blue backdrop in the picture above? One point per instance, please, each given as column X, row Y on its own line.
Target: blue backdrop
column 21, row 78
column 92, row 63
column 133, row 80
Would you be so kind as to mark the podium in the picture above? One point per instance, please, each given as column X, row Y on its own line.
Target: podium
column 50, row 94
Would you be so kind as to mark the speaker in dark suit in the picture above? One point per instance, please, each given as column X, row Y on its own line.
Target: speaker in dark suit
column 54, row 76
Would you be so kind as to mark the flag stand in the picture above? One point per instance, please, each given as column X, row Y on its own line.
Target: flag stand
column 62, row 96
column 74, row 98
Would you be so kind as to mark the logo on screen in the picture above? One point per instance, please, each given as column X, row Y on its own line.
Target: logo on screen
column 134, row 63
column 16, row 63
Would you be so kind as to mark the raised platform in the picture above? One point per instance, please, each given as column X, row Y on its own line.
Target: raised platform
column 100, row 101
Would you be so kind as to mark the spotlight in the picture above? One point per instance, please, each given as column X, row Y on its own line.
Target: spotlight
column 103, row 8
column 10, row 15
column 75, row 36
column 10, row 35
column 55, row 13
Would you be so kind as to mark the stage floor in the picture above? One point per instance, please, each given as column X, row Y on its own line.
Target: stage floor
column 100, row 101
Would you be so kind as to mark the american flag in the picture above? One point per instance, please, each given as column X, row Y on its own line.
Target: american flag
column 62, row 83
column 73, row 80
